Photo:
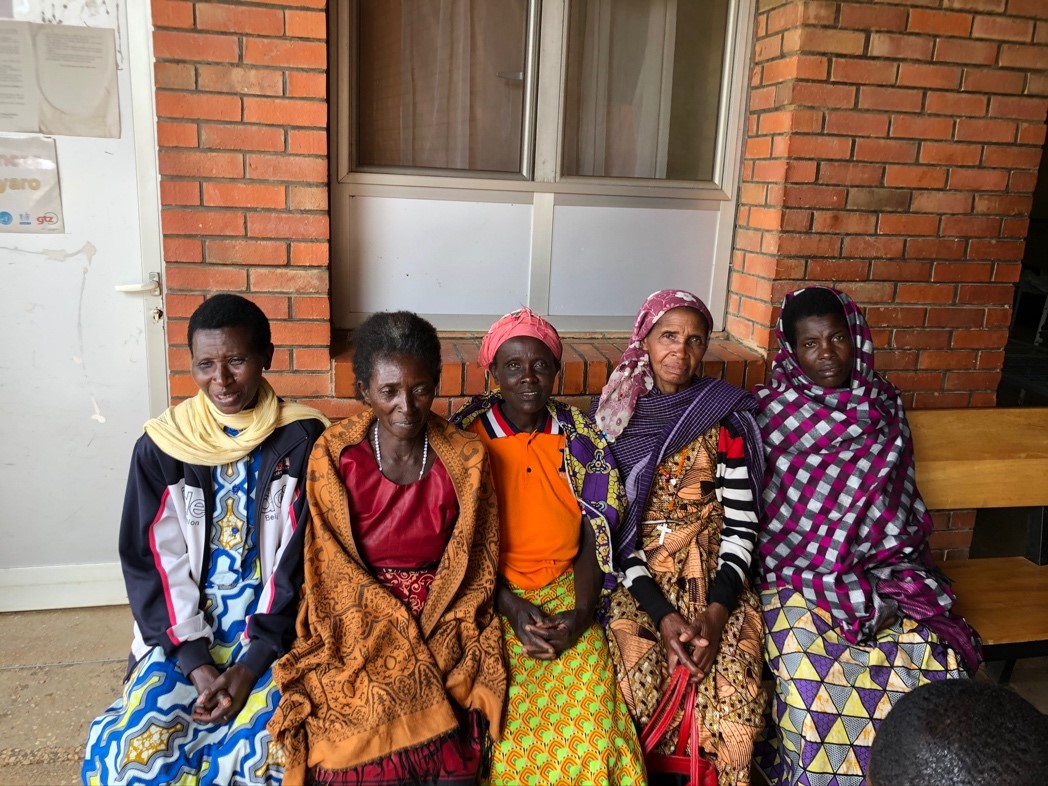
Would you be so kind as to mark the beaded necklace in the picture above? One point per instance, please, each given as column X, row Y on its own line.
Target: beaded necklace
column 425, row 452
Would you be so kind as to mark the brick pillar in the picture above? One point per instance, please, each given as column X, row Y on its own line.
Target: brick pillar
column 242, row 118
column 892, row 150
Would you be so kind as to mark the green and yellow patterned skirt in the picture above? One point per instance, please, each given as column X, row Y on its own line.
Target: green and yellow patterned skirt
column 566, row 721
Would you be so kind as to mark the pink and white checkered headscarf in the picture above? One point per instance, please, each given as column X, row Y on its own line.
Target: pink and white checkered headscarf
column 632, row 377
column 522, row 322
column 844, row 523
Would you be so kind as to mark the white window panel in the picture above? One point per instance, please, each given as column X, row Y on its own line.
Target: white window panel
column 608, row 170
column 434, row 257
column 606, row 260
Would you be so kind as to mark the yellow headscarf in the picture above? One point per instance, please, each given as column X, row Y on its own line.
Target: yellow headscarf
column 194, row 431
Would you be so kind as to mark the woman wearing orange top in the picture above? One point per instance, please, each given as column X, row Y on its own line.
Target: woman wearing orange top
column 559, row 498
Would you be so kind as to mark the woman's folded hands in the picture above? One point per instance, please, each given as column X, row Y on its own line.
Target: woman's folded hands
column 220, row 697
column 694, row 644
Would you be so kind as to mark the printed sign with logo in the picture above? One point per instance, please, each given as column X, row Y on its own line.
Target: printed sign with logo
column 30, row 196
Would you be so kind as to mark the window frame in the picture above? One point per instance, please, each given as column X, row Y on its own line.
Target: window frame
column 546, row 189
column 542, row 119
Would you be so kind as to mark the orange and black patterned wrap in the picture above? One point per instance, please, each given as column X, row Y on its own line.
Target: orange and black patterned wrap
column 364, row 679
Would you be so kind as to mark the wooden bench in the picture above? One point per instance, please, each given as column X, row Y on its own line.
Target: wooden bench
column 992, row 458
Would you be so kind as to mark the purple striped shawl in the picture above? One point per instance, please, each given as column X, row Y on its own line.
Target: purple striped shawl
column 844, row 523
column 663, row 424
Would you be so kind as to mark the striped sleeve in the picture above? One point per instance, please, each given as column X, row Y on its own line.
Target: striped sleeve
column 740, row 519
column 635, row 577
column 738, row 537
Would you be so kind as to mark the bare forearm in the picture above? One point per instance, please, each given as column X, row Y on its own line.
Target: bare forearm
column 588, row 576
column 505, row 600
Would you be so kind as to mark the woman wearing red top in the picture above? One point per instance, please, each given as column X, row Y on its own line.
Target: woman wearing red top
column 397, row 672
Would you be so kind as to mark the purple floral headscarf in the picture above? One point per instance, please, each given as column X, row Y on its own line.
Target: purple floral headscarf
column 632, row 377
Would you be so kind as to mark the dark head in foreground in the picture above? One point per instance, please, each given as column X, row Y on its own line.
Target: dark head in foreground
column 230, row 345
column 961, row 733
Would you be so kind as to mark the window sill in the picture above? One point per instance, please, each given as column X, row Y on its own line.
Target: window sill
column 587, row 362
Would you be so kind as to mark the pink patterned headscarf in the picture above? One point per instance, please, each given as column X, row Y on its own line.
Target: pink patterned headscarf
column 632, row 377
column 522, row 322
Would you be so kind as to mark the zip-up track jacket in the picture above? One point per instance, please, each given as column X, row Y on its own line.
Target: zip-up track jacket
column 164, row 549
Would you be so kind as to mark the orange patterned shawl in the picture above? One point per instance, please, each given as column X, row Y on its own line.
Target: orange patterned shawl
column 364, row 679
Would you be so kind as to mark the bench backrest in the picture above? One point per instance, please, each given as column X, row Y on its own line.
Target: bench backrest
column 981, row 458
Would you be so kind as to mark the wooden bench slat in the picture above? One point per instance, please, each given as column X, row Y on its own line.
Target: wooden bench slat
column 1004, row 598
column 981, row 458
column 1004, row 483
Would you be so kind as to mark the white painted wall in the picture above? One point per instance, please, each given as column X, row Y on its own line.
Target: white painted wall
column 81, row 365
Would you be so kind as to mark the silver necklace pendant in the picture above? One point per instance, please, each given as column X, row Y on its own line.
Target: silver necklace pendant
column 378, row 452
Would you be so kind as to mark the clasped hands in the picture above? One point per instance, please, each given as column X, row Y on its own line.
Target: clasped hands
column 220, row 697
column 694, row 644
column 545, row 636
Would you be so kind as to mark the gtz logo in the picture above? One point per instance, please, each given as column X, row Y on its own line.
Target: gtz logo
column 46, row 218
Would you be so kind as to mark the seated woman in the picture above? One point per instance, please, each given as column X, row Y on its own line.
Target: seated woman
column 856, row 613
column 211, row 549
column 690, row 453
column 559, row 501
column 397, row 672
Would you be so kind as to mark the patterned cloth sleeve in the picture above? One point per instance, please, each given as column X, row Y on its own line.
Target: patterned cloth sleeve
column 738, row 538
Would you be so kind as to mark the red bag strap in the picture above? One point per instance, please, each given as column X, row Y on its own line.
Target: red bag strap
column 682, row 694
column 688, row 726
column 661, row 719
column 693, row 736
column 703, row 773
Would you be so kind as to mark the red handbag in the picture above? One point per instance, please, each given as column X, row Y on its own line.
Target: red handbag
column 680, row 694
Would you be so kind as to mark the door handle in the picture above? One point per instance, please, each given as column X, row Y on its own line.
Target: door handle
column 152, row 286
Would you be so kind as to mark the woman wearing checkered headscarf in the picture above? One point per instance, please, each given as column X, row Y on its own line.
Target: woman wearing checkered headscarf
column 857, row 614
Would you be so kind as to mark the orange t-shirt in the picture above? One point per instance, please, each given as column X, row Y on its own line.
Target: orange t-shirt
column 539, row 517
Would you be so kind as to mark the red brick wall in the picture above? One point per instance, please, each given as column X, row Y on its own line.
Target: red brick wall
column 242, row 120
column 892, row 150
column 242, row 129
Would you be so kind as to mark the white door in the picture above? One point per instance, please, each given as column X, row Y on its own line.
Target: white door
column 82, row 365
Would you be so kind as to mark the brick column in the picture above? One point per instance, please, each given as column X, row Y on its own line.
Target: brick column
column 242, row 118
column 892, row 149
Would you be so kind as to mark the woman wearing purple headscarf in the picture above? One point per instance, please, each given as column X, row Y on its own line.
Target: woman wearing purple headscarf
column 857, row 614
column 689, row 450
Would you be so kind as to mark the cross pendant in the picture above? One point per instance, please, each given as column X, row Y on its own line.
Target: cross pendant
column 663, row 531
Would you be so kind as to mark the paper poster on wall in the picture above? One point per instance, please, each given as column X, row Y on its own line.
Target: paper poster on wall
column 58, row 79
column 30, row 194
column 91, row 13
column 18, row 106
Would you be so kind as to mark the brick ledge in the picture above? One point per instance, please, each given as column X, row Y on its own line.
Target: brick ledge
column 587, row 362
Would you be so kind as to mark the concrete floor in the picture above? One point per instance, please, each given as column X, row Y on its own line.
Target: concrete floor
column 59, row 669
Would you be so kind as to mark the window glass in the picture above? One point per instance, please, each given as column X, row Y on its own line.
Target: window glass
column 440, row 84
column 642, row 88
